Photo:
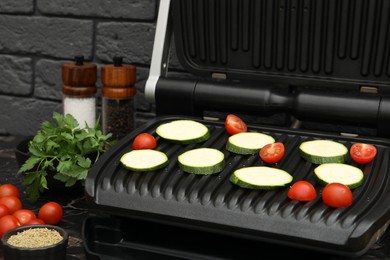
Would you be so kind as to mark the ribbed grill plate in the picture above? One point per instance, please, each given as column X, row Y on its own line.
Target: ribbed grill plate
column 213, row 203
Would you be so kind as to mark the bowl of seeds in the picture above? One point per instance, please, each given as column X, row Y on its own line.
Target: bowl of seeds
column 43, row 242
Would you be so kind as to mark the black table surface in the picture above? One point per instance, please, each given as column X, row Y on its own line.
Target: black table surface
column 74, row 207
column 76, row 210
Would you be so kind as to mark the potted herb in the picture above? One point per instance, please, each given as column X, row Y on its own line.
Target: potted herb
column 61, row 151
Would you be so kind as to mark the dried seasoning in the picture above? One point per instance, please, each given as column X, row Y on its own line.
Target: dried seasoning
column 35, row 238
column 118, row 117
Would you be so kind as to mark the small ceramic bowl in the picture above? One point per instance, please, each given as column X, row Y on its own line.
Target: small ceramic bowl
column 55, row 251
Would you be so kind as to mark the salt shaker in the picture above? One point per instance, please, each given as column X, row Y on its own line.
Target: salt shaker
column 79, row 91
column 118, row 98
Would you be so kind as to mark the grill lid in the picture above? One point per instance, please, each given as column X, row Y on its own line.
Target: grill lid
column 314, row 43
column 323, row 61
column 212, row 203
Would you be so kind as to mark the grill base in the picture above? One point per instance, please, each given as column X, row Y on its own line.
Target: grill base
column 213, row 204
column 131, row 238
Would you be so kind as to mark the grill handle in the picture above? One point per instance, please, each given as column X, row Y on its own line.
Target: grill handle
column 190, row 97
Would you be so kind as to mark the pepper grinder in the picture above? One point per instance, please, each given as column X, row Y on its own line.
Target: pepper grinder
column 79, row 91
column 118, row 98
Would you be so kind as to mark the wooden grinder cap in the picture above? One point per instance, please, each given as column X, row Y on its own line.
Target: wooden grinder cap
column 79, row 74
column 118, row 75
column 118, row 79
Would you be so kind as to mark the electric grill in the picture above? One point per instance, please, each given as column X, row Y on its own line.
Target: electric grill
column 297, row 70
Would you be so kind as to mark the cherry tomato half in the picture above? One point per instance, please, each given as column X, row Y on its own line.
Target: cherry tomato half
column 144, row 141
column 13, row 203
column 9, row 190
column 337, row 195
column 50, row 213
column 7, row 223
column 235, row 125
column 302, row 191
column 272, row 153
column 362, row 153
column 24, row 216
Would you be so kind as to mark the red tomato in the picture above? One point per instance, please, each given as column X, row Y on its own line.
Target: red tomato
column 362, row 153
column 4, row 210
column 13, row 203
column 337, row 195
column 50, row 213
column 9, row 190
column 272, row 153
column 302, row 191
column 35, row 221
column 144, row 141
column 7, row 223
column 235, row 125
column 24, row 216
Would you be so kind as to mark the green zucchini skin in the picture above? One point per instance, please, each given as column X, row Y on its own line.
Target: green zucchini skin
column 176, row 131
column 130, row 165
column 338, row 172
column 157, row 167
column 240, row 150
column 214, row 161
column 189, row 141
column 235, row 178
column 207, row 170
column 233, row 145
column 339, row 157
column 322, row 160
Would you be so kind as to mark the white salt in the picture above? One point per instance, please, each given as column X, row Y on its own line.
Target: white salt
column 82, row 109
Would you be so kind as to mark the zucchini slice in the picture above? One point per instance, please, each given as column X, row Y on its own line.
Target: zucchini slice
column 183, row 131
column 261, row 177
column 348, row 175
column 144, row 160
column 202, row 161
column 323, row 151
column 248, row 142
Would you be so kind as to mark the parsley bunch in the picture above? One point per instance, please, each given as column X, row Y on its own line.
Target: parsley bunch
column 62, row 149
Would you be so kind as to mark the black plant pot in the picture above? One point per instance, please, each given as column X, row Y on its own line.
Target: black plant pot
column 56, row 187
column 21, row 150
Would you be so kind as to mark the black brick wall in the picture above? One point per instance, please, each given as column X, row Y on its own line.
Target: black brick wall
column 38, row 36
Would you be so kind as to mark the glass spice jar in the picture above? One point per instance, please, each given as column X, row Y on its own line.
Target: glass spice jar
column 79, row 91
column 118, row 98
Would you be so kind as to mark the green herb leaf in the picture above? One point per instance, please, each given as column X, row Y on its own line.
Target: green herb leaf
column 29, row 164
column 63, row 150
column 36, row 183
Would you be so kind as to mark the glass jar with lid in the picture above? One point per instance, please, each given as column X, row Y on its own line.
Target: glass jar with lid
column 79, row 91
column 118, row 98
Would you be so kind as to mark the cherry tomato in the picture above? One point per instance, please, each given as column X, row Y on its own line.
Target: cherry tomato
column 9, row 190
column 362, row 153
column 302, row 191
column 337, row 195
column 7, row 223
column 272, row 153
column 24, row 216
column 144, row 141
column 235, row 125
column 4, row 210
column 35, row 221
column 13, row 203
column 50, row 213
